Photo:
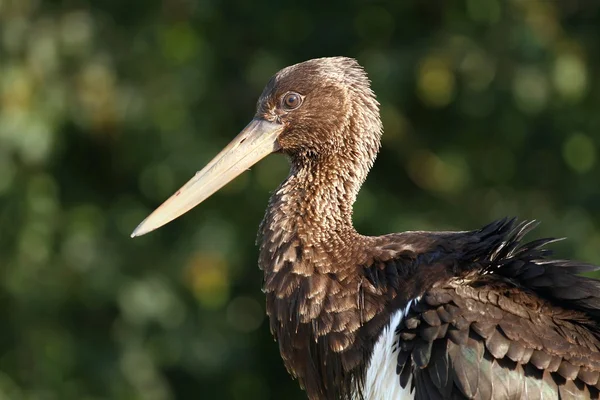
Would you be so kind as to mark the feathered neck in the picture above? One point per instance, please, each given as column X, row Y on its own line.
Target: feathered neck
column 311, row 253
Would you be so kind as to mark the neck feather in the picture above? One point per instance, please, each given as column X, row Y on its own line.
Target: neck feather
column 311, row 253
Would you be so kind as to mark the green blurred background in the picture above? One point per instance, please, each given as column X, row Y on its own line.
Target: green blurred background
column 490, row 107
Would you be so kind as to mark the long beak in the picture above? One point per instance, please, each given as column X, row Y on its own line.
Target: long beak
column 255, row 142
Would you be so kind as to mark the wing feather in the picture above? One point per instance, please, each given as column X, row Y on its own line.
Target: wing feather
column 496, row 318
column 509, row 346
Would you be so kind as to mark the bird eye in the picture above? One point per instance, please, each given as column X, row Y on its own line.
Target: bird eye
column 292, row 100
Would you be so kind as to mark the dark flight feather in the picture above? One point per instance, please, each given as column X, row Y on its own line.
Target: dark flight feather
column 535, row 318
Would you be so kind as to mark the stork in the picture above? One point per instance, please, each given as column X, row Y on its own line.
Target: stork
column 476, row 314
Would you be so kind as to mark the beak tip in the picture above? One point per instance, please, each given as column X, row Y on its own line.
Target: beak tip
column 138, row 231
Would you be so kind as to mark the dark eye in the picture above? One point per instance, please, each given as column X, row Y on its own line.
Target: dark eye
column 292, row 100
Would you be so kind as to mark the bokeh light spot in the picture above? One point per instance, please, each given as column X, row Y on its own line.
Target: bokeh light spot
column 76, row 31
column 435, row 82
column 208, row 277
column 530, row 88
column 446, row 174
column 579, row 153
column 478, row 70
column 570, row 76
column 151, row 299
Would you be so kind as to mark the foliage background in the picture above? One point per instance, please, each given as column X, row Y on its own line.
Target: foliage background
column 490, row 109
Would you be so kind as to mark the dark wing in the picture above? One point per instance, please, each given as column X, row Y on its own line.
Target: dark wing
column 505, row 323
column 495, row 342
column 496, row 318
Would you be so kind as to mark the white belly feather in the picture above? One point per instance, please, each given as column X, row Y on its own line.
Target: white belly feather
column 381, row 381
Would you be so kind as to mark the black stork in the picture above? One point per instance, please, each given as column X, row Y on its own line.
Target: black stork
column 414, row 315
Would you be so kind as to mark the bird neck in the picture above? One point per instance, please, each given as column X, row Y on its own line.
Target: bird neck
column 310, row 253
column 313, row 207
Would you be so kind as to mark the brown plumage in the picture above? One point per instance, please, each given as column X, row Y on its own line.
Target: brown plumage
column 487, row 317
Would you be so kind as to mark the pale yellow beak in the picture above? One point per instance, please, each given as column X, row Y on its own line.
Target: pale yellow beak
column 255, row 142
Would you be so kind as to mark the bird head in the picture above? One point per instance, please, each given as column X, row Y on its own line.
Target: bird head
column 312, row 111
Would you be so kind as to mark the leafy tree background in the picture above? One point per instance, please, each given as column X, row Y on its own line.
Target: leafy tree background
column 491, row 108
